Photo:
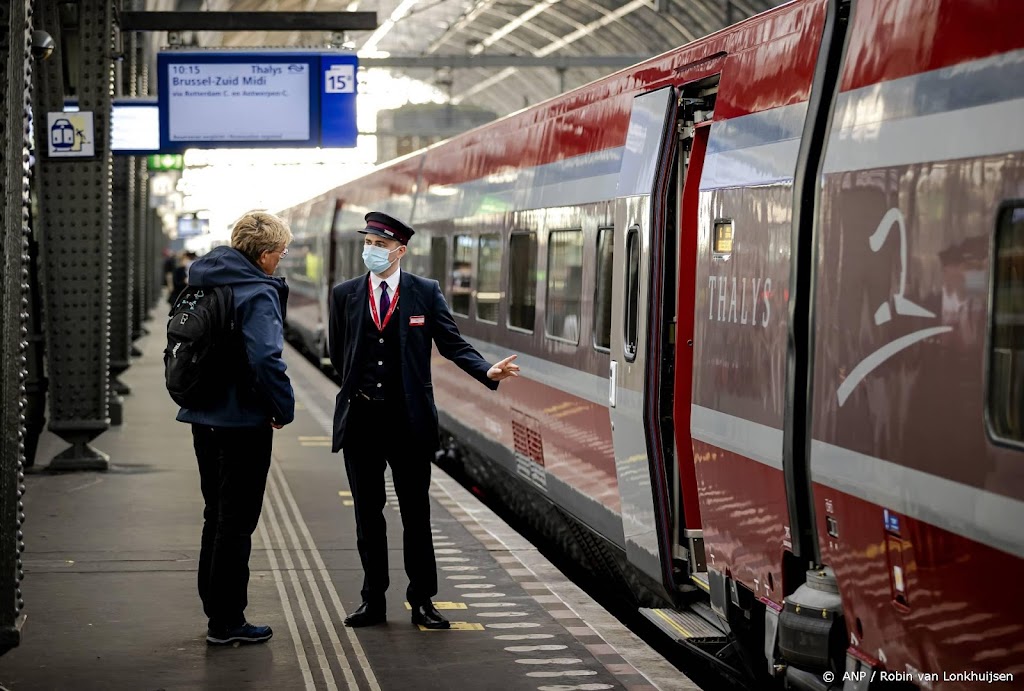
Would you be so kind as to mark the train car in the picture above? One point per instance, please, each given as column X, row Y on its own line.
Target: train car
column 766, row 291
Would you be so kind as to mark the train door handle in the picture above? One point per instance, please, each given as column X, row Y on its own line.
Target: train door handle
column 612, row 372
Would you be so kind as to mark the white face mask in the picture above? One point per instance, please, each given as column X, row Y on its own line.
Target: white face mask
column 376, row 258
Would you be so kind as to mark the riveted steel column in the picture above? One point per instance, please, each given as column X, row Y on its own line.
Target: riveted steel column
column 121, row 270
column 15, row 90
column 75, row 209
column 122, row 233
column 143, row 270
column 140, row 308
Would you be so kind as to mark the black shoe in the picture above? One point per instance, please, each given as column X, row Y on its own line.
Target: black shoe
column 427, row 615
column 367, row 615
column 246, row 633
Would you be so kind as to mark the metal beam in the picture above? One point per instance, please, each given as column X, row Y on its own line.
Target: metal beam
column 495, row 61
column 248, row 21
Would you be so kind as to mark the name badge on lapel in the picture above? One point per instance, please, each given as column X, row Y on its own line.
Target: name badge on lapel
column 417, row 321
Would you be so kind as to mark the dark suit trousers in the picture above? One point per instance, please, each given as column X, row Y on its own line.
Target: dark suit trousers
column 377, row 435
column 233, row 467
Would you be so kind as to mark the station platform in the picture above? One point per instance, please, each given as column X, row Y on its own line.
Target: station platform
column 110, row 571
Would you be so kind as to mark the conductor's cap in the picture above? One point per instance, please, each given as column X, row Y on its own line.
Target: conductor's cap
column 385, row 226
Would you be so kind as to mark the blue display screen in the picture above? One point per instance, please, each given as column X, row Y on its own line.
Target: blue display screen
column 217, row 99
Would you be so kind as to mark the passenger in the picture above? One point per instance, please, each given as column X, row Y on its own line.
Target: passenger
column 179, row 275
column 190, row 258
column 233, row 440
column 179, row 278
column 385, row 410
column 170, row 261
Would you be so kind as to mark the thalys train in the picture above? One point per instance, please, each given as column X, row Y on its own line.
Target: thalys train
column 767, row 292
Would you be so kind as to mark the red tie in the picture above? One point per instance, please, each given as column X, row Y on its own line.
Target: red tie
column 385, row 301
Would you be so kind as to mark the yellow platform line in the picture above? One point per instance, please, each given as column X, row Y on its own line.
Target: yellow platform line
column 457, row 626
column 444, row 605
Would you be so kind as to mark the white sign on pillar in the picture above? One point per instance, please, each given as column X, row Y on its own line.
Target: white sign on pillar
column 71, row 135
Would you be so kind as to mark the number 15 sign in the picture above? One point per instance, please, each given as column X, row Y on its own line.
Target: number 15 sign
column 340, row 79
column 338, row 99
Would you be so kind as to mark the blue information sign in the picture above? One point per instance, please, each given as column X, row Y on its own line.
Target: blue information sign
column 216, row 99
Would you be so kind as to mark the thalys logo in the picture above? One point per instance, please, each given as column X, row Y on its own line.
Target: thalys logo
column 898, row 303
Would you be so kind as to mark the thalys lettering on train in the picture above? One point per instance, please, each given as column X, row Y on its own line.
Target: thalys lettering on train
column 769, row 283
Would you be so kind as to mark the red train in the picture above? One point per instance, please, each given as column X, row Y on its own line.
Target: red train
column 768, row 295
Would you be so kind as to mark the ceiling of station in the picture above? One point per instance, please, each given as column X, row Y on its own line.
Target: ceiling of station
column 550, row 28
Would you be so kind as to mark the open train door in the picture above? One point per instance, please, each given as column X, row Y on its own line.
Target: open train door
column 645, row 239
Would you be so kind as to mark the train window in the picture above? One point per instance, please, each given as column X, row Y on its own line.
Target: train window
column 565, row 284
column 462, row 274
column 488, row 278
column 723, row 238
column 350, row 255
column 522, row 280
column 632, row 292
column 302, row 267
column 1006, row 355
column 603, row 290
column 355, row 259
column 438, row 257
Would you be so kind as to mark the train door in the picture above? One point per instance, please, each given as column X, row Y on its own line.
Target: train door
column 639, row 329
column 696, row 108
column 334, row 273
column 332, row 246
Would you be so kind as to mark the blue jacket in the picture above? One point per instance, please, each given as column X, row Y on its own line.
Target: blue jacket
column 258, row 309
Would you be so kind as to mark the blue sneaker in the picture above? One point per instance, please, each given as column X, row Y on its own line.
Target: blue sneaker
column 246, row 633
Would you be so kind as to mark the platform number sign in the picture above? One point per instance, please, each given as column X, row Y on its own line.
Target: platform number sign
column 340, row 79
column 338, row 99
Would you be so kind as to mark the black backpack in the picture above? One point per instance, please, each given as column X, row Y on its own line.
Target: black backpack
column 201, row 340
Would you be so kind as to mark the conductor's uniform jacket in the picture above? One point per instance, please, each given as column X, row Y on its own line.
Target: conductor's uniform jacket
column 423, row 316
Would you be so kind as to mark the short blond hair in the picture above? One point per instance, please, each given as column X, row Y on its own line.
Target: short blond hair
column 257, row 232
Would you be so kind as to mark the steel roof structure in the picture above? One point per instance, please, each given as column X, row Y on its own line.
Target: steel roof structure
column 486, row 52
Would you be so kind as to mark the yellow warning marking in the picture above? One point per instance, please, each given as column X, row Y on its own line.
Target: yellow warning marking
column 700, row 584
column 444, row 605
column 674, row 624
column 299, row 406
column 348, row 502
column 457, row 626
column 344, row 493
column 315, row 443
column 303, row 438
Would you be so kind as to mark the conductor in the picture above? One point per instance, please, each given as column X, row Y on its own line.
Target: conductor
column 381, row 328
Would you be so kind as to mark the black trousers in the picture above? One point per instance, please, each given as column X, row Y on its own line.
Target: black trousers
column 376, row 435
column 233, row 467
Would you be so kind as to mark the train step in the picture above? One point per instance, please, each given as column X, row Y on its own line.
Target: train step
column 685, row 626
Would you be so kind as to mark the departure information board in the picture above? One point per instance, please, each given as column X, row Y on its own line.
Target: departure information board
column 216, row 99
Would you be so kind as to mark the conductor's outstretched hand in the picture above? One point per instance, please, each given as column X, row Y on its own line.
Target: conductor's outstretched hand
column 504, row 369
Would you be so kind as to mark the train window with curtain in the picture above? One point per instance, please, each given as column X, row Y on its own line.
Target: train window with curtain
column 462, row 274
column 522, row 280
column 565, row 284
column 1006, row 355
column 632, row 292
column 488, row 277
column 603, row 290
